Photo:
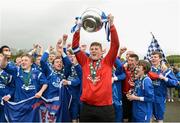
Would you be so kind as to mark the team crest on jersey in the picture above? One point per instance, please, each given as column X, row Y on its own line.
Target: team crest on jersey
column 156, row 82
column 30, row 87
column 57, row 83
column 2, row 86
column 33, row 76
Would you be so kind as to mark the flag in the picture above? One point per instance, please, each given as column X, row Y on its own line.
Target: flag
column 29, row 110
column 23, row 111
column 65, row 99
column 57, row 108
column 154, row 46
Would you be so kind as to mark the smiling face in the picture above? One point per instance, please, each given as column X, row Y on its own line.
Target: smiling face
column 6, row 49
column 18, row 61
column 140, row 70
column 96, row 51
column 38, row 59
column 26, row 62
column 132, row 61
column 155, row 60
column 143, row 67
column 51, row 57
column 57, row 64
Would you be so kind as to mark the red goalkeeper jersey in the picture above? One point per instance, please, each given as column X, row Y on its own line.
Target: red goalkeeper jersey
column 99, row 94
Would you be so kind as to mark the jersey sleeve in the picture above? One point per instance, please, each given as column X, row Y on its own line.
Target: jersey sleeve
column 148, row 90
column 80, row 55
column 44, row 64
column 114, row 46
column 11, row 69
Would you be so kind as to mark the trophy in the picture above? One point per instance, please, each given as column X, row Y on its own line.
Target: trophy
column 92, row 20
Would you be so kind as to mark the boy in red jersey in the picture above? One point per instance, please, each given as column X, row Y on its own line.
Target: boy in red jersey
column 97, row 78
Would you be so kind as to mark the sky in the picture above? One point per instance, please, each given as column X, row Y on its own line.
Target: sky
column 25, row 22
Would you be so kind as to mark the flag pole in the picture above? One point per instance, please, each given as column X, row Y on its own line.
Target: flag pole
column 152, row 35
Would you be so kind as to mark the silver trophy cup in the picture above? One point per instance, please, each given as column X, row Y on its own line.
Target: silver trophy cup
column 91, row 20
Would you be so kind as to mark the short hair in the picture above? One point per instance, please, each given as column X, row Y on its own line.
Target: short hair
column 57, row 57
column 134, row 56
column 70, row 51
column 5, row 46
column 38, row 55
column 157, row 53
column 52, row 53
column 34, row 59
column 96, row 44
column 146, row 65
column 29, row 56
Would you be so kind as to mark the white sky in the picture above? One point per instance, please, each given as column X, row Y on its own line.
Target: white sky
column 24, row 22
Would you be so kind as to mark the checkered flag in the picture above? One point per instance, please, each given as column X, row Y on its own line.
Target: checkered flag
column 154, row 46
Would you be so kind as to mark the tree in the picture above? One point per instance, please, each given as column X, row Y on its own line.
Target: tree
column 174, row 60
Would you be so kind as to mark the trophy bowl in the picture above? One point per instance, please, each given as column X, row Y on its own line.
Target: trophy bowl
column 91, row 20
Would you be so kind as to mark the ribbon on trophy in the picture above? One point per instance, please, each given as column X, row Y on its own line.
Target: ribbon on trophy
column 107, row 25
column 77, row 26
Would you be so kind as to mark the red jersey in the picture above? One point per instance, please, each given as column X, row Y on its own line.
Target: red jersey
column 126, row 82
column 99, row 94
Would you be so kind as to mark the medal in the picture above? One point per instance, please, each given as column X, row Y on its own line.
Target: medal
column 4, row 78
column 93, row 70
column 26, row 88
column 26, row 79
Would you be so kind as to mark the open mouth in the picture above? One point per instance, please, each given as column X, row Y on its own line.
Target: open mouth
column 93, row 54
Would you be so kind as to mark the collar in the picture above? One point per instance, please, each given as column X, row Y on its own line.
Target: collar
column 142, row 77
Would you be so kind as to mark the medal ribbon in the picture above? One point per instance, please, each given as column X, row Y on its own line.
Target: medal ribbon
column 93, row 70
column 26, row 79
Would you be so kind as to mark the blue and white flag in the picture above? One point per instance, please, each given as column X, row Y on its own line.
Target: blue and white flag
column 23, row 111
column 65, row 99
column 29, row 110
column 154, row 46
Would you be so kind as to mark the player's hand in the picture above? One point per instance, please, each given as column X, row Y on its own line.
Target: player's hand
column 6, row 98
column 110, row 19
column 38, row 94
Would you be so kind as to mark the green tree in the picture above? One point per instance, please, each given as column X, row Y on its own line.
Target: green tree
column 174, row 60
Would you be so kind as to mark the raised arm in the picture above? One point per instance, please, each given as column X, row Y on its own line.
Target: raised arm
column 67, row 64
column 121, row 51
column 120, row 74
column 44, row 62
column 80, row 55
column 10, row 69
column 111, row 56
